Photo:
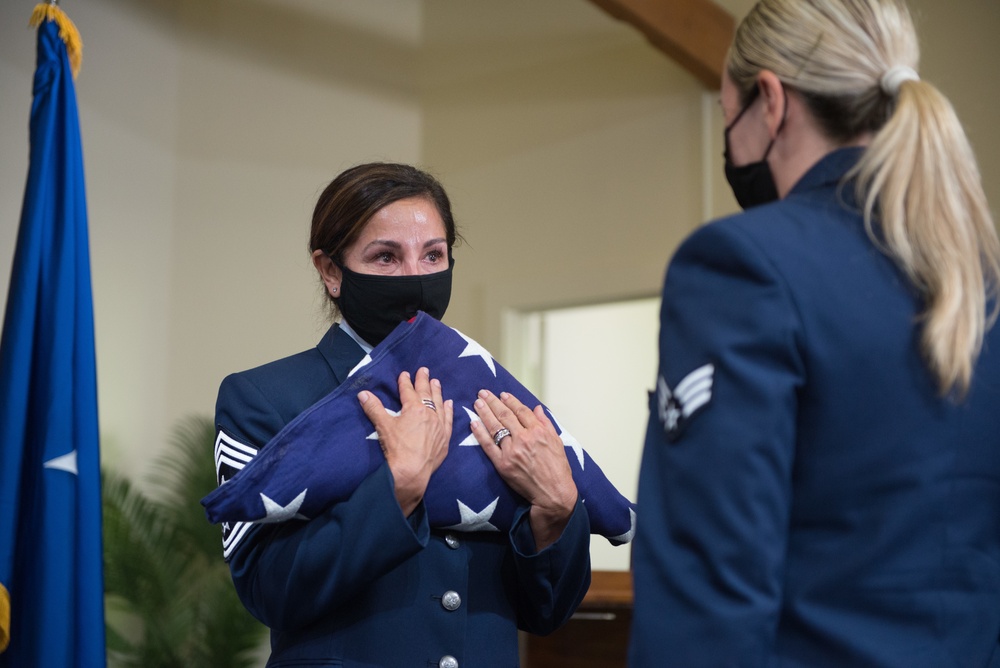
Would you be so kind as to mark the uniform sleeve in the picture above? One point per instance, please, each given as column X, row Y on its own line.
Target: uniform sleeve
column 715, row 479
column 292, row 573
column 550, row 583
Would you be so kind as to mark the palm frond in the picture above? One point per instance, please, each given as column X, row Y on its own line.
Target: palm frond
column 170, row 598
column 183, row 476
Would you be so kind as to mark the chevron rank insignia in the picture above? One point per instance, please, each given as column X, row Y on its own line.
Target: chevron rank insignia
column 230, row 458
column 677, row 406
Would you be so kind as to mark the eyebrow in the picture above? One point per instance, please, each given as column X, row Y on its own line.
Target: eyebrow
column 396, row 245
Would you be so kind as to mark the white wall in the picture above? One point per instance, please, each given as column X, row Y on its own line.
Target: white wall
column 572, row 149
column 594, row 366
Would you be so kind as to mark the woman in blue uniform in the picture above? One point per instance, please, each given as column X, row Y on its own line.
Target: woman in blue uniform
column 820, row 483
column 369, row 583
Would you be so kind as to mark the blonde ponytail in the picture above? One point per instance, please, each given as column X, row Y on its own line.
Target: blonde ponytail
column 924, row 206
column 854, row 62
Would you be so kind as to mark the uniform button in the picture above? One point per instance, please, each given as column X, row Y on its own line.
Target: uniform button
column 448, row 661
column 451, row 601
column 452, row 541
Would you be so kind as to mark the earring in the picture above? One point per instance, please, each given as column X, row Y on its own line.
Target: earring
column 334, row 289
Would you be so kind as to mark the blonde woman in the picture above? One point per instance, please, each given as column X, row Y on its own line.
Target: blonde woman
column 820, row 483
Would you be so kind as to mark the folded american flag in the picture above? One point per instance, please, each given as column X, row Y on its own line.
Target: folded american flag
column 321, row 456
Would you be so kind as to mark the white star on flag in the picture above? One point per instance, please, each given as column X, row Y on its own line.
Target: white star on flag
column 473, row 521
column 471, row 438
column 570, row 442
column 473, row 349
column 374, row 435
column 66, row 463
column 279, row 513
column 628, row 535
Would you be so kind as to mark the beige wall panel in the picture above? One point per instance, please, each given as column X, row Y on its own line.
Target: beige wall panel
column 573, row 157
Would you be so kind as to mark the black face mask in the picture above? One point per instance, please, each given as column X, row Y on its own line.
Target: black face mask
column 752, row 184
column 373, row 305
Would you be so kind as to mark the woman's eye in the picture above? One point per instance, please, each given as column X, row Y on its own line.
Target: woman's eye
column 384, row 258
column 435, row 256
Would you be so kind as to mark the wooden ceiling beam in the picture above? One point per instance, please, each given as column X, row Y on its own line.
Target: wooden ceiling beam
column 695, row 33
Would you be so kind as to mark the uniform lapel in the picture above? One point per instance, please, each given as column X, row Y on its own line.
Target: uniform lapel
column 340, row 352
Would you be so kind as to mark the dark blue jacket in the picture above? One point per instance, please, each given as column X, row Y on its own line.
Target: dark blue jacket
column 362, row 585
column 808, row 499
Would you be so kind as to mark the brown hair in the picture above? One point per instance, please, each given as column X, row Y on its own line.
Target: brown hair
column 350, row 200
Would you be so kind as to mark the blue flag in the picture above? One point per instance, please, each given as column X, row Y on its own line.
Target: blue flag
column 50, row 498
column 322, row 455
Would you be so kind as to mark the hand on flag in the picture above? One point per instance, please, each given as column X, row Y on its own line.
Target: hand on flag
column 414, row 441
column 531, row 459
column 321, row 456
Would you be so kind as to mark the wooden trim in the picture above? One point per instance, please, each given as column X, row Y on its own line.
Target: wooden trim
column 695, row 33
column 609, row 589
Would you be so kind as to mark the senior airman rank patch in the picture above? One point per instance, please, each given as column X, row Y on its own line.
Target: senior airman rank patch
column 692, row 394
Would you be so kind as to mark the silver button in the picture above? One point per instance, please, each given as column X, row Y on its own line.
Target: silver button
column 448, row 661
column 452, row 540
column 451, row 601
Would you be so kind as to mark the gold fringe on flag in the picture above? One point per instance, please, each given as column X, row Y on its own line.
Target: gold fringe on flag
column 67, row 32
column 4, row 618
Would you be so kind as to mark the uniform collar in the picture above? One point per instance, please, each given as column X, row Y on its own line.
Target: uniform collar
column 830, row 169
column 347, row 329
column 340, row 351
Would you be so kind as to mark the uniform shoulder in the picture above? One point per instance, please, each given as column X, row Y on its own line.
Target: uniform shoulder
column 289, row 364
column 299, row 365
column 258, row 401
column 815, row 223
column 739, row 234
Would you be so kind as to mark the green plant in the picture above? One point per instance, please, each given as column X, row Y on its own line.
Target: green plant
column 169, row 598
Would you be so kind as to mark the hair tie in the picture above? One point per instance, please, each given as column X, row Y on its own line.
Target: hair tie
column 895, row 76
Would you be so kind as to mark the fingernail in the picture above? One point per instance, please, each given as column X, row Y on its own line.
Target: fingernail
column 483, row 393
column 363, row 397
column 480, row 403
column 435, row 382
column 504, row 395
